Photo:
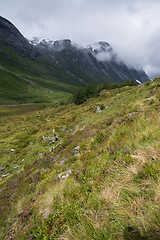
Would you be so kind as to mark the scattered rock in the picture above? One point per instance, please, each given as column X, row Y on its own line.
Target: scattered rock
column 107, row 107
column 5, row 175
column 15, row 180
column 51, row 140
column 31, row 143
column 75, row 150
column 53, row 148
column 40, row 155
column 2, row 168
column 12, row 150
column 76, row 128
column 98, row 110
column 64, row 175
column 16, row 167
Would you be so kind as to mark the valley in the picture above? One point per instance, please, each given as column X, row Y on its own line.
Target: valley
column 79, row 142
column 47, row 71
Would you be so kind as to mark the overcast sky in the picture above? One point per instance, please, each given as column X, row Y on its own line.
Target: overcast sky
column 131, row 27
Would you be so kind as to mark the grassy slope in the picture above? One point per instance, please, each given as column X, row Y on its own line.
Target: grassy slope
column 37, row 81
column 114, row 189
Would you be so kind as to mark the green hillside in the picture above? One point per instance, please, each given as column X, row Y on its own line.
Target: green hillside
column 26, row 81
column 89, row 171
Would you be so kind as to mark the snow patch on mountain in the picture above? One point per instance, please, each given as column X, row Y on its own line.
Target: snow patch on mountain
column 57, row 45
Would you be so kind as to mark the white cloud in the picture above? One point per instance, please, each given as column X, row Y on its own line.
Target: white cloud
column 131, row 27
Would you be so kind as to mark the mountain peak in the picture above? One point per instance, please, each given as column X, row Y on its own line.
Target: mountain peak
column 102, row 51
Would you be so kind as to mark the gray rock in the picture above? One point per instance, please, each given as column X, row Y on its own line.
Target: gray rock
column 49, row 139
column 31, row 143
column 2, row 168
column 98, row 110
column 16, row 167
column 76, row 128
column 77, row 148
column 40, row 154
column 54, row 147
column 64, row 175
column 5, row 175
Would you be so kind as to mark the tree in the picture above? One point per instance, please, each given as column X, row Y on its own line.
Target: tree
column 90, row 89
column 79, row 96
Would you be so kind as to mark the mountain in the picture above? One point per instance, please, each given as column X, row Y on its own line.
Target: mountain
column 11, row 37
column 98, row 58
column 110, row 63
column 42, row 65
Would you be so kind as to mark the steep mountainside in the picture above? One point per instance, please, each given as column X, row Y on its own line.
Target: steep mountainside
column 98, row 58
column 56, row 66
column 11, row 37
column 111, row 63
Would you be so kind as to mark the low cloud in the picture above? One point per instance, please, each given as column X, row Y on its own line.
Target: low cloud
column 103, row 57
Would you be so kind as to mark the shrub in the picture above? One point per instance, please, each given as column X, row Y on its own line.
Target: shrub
column 79, row 96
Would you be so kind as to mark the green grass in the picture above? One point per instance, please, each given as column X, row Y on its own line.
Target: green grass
column 114, row 189
column 23, row 80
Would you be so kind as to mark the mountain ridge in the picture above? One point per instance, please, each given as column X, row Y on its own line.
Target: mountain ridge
column 52, row 64
column 102, row 51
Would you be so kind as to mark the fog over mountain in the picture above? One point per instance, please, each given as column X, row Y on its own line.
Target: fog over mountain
column 131, row 27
